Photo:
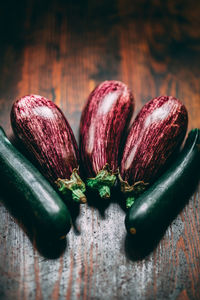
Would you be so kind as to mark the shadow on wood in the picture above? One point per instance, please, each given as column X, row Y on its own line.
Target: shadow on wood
column 94, row 200
column 47, row 246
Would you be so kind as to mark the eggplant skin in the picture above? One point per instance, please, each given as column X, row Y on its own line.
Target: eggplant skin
column 44, row 131
column 156, row 133
column 104, row 118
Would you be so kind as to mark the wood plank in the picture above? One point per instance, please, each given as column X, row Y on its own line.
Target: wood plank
column 62, row 50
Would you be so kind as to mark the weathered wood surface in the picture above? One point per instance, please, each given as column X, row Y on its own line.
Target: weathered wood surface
column 62, row 49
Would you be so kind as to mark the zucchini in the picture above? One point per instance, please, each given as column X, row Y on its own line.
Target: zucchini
column 158, row 204
column 35, row 196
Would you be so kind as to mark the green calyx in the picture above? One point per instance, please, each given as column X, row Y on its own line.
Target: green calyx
column 129, row 201
column 74, row 186
column 132, row 191
column 104, row 180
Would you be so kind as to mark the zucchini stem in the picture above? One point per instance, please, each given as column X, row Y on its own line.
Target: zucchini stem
column 74, row 185
column 104, row 180
column 132, row 230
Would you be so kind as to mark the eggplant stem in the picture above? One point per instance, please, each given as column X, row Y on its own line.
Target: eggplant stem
column 129, row 201
column 74, row 185
column 132, row 191
column 104, row 192
column 104, row 180
column 137, row 188
column 78, row 196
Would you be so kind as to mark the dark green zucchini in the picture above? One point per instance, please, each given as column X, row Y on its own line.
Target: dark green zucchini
column 35, row 195
column 167, row 194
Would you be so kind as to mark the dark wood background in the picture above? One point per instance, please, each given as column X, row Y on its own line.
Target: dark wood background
column 62, row 49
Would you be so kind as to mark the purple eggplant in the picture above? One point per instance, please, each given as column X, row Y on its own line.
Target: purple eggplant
column 154, row 136
column 106, row 115
column 44, row 131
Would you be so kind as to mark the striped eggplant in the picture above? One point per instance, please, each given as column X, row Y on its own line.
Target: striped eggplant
column 44, row 131
column 106, row 115
column 156, row 133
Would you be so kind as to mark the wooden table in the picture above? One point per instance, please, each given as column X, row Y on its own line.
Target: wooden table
column 62, row 49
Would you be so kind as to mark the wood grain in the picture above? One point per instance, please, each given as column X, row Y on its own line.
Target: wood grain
column 61, row 50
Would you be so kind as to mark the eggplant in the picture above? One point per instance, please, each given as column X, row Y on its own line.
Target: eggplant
column 45, row 133
column 154, row 136
column 104, row 119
